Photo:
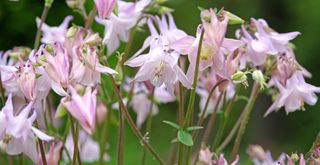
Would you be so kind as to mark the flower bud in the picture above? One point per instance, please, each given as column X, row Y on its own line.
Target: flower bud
column 93, row 40
column 258, row 76
column 119, row 77
column 294, row 157
column 48, row 3
column 75, row 4
column 233, row 19
column 240, row 77
column 256, row 152
column 72, row 31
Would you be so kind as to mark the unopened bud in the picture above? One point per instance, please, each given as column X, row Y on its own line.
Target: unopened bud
column 233, row 19
column 49, row 48
column 48, row 3
column 75, row 4
column 240, row 78
column 119, row 77
column 256, row 152
column 258, row 76
column 93, row 40
column 294, row 157
column 72, row 31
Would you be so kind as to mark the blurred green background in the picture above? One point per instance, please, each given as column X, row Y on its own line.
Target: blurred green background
column 278, row 132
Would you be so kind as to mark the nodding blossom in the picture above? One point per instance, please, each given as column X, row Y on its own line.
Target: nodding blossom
column 17, row 135
column 55, row 33
column 210, row 158
column 264, row 41
column 88, row 148
column 118, row 26
column 293, row 94
column 104, row 7
column 82, row 107
column 160, row 64
column 53, row 155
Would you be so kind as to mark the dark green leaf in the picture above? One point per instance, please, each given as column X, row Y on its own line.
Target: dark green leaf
column 174, row 125
column 185, row 138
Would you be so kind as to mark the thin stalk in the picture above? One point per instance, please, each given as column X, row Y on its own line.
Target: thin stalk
column 132, row 124
column 180, row 152
column 75, row 135
column 2, row 97
column 43, row 18
column 120, row 137
column 20, row 159
column 104, row 135
column 43, row 154
column 64, row 138
column 195, row 80
column 244, row 121
column 212, row 119
column 204, row 111
column 189, row 115
column 223, row 123
column 90, row 18
column 149, row 124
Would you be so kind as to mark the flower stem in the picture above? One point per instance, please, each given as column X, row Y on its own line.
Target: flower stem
column 149, row 123
column 132, row 125
column 90, row 18
column 75, row 135
column 2, row 98
column 104, row 135
column 43, row 18
column 223, row 123
column 181, row 102
column 120, row 137
column 212, row 119
column 43, row 154
column 245, row 119
column 195, row 80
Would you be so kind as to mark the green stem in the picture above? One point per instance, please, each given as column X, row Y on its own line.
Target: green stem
column 212, row 119
column 132, row 124
column 75, row 135
column 149, row 123
column 43, row 154
column 43, row 18
column 90, row 18
column 223, row 123
column 120, row 137
column 104, row 135
column 195, row 80
column 2, row 97
column 181, row 102
column 244, row 121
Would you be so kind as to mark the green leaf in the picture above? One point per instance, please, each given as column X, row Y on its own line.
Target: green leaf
column 193, row 128
column 185, row 138
column 172, row 124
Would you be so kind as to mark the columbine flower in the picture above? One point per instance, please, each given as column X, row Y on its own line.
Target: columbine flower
column 210, row 158
column 83, row 108
column 17, row 133
column 117, row 27
column 159, row 66
column 104, row 7
column 88, row 148
column 264, row 42
column 294, row 93
column 55, row 33
column 27, row 81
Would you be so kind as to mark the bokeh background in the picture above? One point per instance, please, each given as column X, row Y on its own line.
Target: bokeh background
column 278, row 132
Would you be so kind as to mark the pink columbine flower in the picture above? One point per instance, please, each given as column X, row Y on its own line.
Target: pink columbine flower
column 17, row 133
column 160, row 66
column 264, row 42
column 82, row 107
column 210, row 158
column 294, row 93
column 104, row 7
column 27, row 81
column 55, row 33
column 117, row 27
column 268, row 160
column 88, row 148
